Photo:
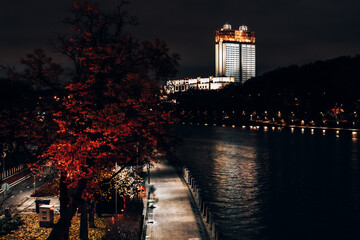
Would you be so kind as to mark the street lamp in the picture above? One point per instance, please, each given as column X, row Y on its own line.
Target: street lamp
column 116, row 168
column 3, row 164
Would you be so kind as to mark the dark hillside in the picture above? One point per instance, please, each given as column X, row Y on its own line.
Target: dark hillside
column 319, row 93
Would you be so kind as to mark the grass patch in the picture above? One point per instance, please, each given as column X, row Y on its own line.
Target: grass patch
column 48, row 189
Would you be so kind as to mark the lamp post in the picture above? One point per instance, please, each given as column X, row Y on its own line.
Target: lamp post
column 148, row 171
column 3, row 164
column 116, row 194
column 116, row 210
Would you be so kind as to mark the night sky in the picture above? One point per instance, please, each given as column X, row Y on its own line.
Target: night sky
column 287, row 32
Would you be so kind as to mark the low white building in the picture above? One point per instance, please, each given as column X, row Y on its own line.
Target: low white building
column 210, row 83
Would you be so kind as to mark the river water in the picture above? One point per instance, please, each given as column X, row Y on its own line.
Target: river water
column 276, row 184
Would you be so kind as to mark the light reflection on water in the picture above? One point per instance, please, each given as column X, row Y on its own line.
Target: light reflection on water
column 276, row 185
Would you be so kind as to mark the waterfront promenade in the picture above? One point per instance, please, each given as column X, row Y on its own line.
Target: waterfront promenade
column 173, row 216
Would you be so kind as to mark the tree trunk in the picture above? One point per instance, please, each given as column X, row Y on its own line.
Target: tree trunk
column 84, row 222
column 91, row 216
column 64, row 198
column 61, row 229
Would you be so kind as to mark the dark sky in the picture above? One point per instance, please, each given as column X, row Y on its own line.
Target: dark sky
column 287, row 31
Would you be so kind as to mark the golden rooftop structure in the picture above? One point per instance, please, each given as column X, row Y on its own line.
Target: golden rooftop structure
column 226, row 34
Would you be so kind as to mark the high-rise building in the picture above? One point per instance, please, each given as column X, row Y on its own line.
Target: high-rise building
column 235, row 53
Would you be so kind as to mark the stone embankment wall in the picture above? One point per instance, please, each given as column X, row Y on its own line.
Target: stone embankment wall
column 208, row 218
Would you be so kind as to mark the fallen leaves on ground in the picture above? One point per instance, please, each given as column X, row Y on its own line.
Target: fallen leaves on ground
column 31, row 230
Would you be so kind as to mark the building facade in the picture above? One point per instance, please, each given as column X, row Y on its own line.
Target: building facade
column 235, row 54
column 210, row 83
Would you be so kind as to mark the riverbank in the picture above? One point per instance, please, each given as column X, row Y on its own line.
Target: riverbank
column 255, row 125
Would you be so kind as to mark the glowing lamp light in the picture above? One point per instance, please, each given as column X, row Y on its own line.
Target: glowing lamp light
column 233, row 126
column 273, row 128
column 337, row 132
column 243, row 126
column 292, row 130
column 302, row 130
column 354, row 133
column 223, row 125
column 205, row 124
column 214, row 124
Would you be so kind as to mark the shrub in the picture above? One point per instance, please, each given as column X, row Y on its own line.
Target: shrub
column 9, row 224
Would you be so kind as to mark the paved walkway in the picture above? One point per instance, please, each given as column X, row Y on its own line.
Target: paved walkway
column 173, row 216
column 18, row 197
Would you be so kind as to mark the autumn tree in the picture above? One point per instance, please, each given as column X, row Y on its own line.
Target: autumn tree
column 112, row 113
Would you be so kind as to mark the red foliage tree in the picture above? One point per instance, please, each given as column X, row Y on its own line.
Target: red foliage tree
column 112, row 112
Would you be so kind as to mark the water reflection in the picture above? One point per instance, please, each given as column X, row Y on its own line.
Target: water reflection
column 272, row 184
column 243, row 172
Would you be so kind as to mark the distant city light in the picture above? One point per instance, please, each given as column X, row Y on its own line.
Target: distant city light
column 210, row 83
